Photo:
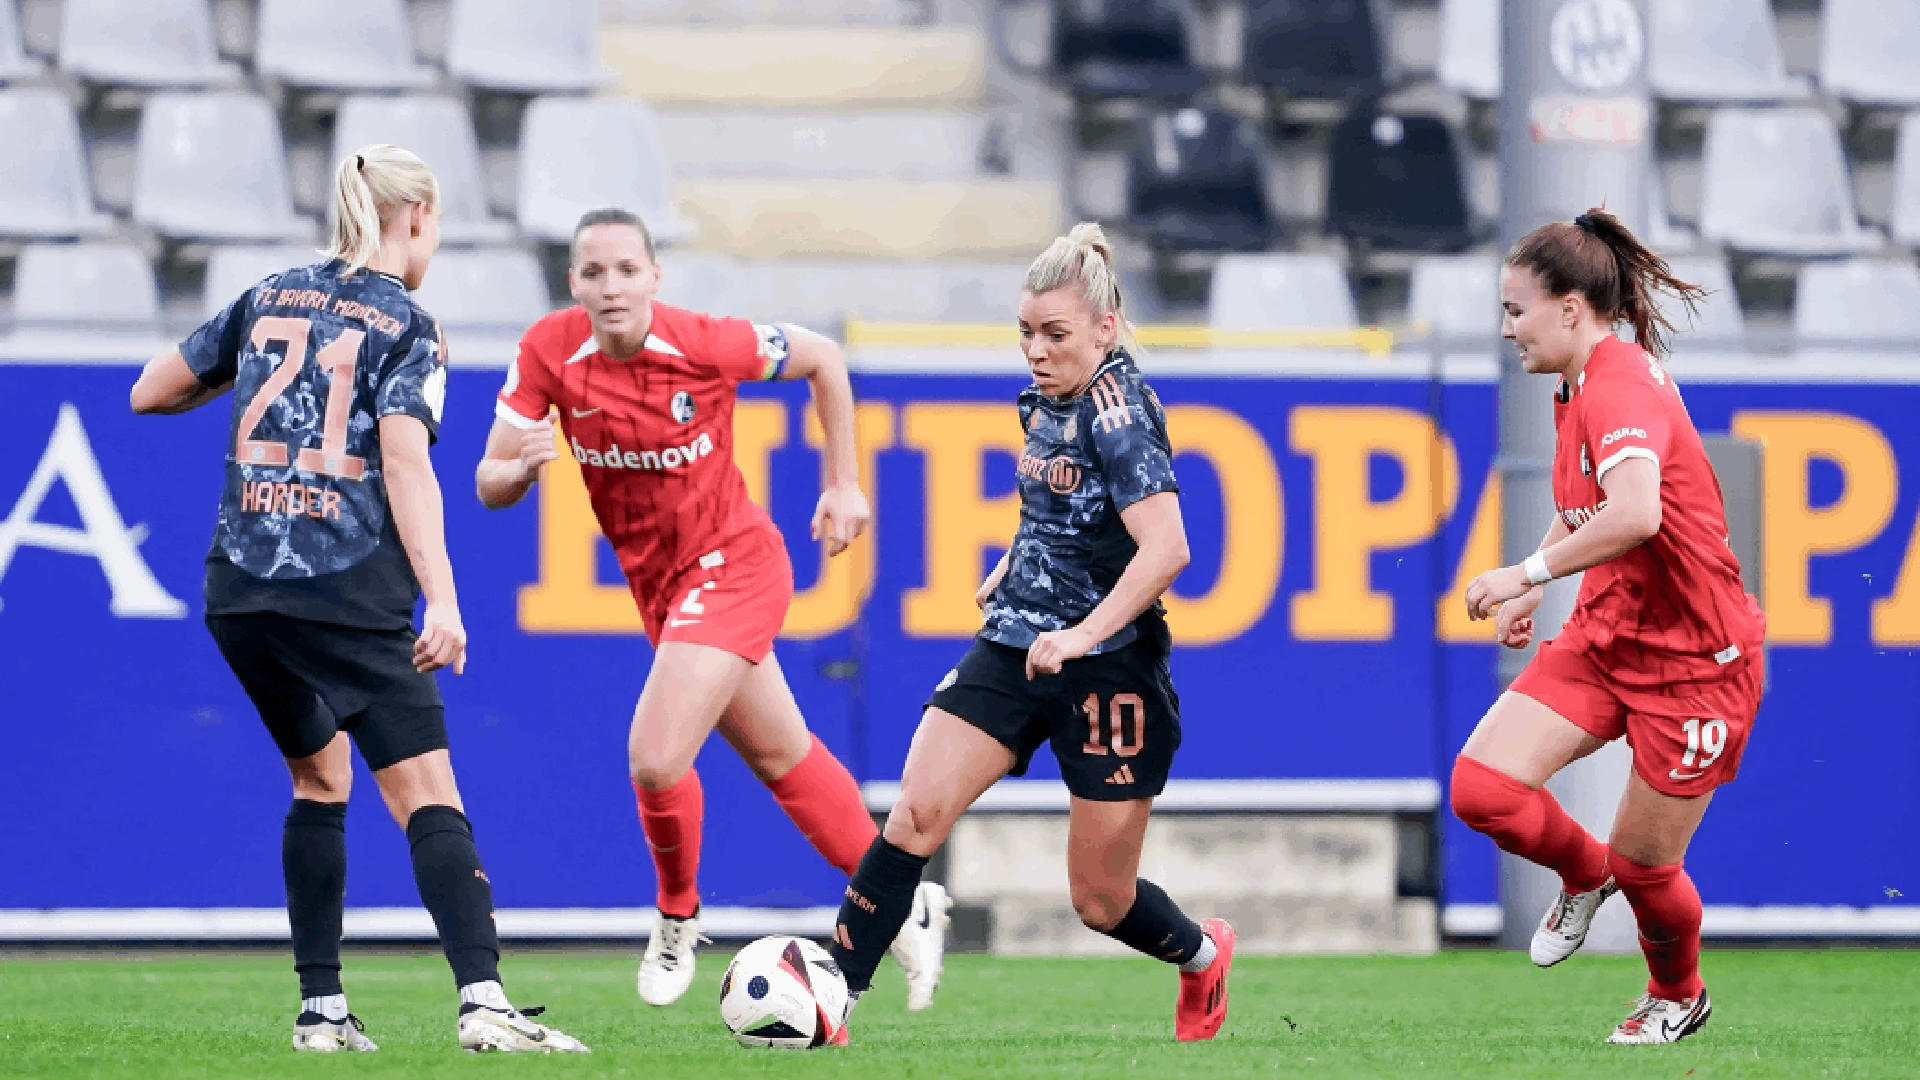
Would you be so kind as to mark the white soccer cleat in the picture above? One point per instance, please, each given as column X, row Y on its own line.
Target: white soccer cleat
column 323, row 1036
column 920, row 950
column 1657, row 1020
column 484, row 1030
column 667, row 969
column 1564, row 927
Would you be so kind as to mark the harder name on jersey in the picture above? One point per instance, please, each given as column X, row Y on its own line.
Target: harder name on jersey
column 672, row 457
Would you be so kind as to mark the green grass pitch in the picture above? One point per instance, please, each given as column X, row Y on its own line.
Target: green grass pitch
column 1845, row 1013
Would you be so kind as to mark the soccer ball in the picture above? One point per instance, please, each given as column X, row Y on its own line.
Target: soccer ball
column 783, row 992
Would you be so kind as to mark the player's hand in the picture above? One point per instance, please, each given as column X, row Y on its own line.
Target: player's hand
column 1054, row 648
column 1513, row 621
column 442, row 641
column 841, row 516
column 1494, row 588
column 537, row 447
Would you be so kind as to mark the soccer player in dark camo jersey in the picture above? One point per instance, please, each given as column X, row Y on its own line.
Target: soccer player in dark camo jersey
column 330, row 530
column 1073, row 651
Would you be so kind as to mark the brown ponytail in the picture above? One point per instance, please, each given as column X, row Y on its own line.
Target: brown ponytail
column 1595, row 256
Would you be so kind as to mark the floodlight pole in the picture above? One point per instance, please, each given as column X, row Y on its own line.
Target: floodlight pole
column 1576, row 130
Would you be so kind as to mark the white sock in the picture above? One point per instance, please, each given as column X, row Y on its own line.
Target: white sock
column 486, row 993
column 333, row 1007
column 1203, row 959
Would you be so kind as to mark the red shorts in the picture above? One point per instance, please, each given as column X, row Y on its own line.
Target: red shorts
column 734, row 598
column 1684, row 744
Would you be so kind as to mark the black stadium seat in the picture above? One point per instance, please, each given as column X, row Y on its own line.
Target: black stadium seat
column 1125, row 49
column 1196, row 182
column 1395, row 181
column 1314, row 48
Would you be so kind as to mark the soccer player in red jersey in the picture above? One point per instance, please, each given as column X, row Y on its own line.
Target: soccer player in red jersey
column 1663, row 646
column 645, row 395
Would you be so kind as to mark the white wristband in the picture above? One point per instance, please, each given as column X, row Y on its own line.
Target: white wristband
column 1536, row 568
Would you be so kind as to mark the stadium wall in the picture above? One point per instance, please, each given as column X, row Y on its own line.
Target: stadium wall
column 1337, row 506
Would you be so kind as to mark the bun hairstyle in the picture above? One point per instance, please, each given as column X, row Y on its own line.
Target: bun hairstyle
column 1083, row 258
column 1597, row 257
column 369, row 187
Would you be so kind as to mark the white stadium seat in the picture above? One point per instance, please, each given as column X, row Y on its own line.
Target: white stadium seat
column 895, row 145
column 498, row 290
column 763, row 12
column 1775, row 182
column 338, row 45
column 213, row 167
column 152, row 43
column 233, row 270
column 1470, row 47
column 1455, row 296
column 821, row 295
column 1905, row 223
column 14, row 62
column 1280, row 292
column 1860, row 300
column 577, row 154
column 1868, row 50
column 534, row 48
column 1715, row 51
column 110, row 286
column 1719, row 318
column 440, row 130
column 44, row 188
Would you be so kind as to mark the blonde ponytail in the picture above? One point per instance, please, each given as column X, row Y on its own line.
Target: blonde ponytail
column 1084, row 258
column 369, row 187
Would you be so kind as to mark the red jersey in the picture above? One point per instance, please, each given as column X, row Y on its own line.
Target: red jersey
column 1671, row 610
column 653, row 434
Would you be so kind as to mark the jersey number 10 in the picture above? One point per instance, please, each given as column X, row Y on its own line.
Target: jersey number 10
column 338, row 360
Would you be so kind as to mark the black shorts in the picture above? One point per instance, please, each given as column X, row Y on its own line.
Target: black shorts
column 312, row 680
column 1113, row 718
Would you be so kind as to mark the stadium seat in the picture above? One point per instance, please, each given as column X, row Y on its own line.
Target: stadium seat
column 1858, row 301
column 891, row 219
column 1196, row 182
column 1774, row 181
column 338, row 45
column 820, row 295
column 527, row 48
column 14, row 62
column 1719, row 317
column 774, row 66
column 1905, row 223
column 1661, row 233
column 1314, row 48
column 233, row 270
column 152, row 43
column 1125, row 49
column 488, row 290
column 764, row 12
column 110, row 286
column 1867, row 51
column 580, row 153
column 1280, row 292
column 896, row 145
column 1469, row 60
column 1715, row 51
column 1455, row 296
column 440, row 130
column 212, row 167
column 44, row 188
column 1396, row 181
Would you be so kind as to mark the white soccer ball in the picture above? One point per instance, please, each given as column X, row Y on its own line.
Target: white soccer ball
column 783, row 992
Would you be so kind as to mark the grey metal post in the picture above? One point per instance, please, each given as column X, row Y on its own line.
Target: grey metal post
column 1576, row 129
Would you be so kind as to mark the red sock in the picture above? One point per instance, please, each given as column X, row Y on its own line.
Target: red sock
column 671, row 819
column 1667, row 907
column 820, row 796
column 1528, row 823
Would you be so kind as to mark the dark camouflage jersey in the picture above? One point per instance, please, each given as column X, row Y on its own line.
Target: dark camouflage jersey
column 316, row 359
column 1085, row 461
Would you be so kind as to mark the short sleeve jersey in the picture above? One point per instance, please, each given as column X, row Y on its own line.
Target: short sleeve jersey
column 1673, row 609
column 1085, row 461
column 653, row 433
column 316, row 357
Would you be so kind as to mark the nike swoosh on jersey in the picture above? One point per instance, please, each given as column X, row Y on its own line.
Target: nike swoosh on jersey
column 681, row 622
column 581, row 414
column 1675, row 774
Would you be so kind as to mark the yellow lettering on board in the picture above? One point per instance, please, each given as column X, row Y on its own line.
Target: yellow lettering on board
column 846, row 580
column 1481, row 554
column 1348, row 526
column 1794, row 531
column 961, row 524
column 1253, row 533
column 1896, row 618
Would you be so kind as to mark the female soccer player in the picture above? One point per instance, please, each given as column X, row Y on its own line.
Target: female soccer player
column 1073, row 651
column 1663, row 645
column 330, row 529
column 645, row 394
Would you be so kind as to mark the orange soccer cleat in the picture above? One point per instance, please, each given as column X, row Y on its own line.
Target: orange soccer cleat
column 1203, row 994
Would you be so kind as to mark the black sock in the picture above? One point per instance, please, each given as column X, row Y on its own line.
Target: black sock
column 313, row 858
column 1155, row 925
column 878, row 901
column 446, row 868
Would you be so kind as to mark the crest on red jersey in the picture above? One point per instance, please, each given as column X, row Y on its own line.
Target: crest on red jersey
column 682, row 407
column 1586, row 464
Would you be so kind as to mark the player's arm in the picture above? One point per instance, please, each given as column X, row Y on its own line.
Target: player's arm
column 1161, row 535
column 985, row 592
column 1513, row 621
column 511, row 465
column 413, row 497
column 843, row 512
column 168, row 386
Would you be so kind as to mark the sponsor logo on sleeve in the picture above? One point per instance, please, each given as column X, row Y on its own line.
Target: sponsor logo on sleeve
column 1617, row 434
